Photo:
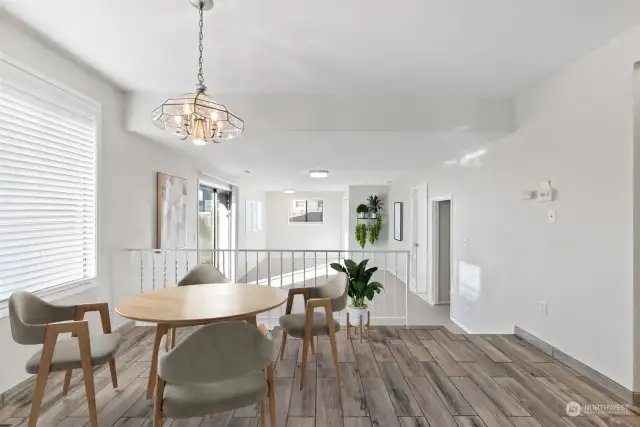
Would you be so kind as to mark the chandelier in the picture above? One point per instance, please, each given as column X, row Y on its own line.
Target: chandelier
column 197, row 115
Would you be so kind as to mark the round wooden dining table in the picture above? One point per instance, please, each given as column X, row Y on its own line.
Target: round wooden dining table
column 197, row 305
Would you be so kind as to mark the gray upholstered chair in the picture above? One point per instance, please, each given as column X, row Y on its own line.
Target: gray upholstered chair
column 203, row 273
column 199, row 275
column 217, row 368
column 36, row 322
column 332, row 296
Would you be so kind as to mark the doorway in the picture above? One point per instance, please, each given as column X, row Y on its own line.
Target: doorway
column 442, row 250
column 418, row 283
column 214, row 227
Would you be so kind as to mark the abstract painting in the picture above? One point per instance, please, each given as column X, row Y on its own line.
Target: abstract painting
column 172, row 212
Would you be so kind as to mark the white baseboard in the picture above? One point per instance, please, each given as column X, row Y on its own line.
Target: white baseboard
column 461, row 326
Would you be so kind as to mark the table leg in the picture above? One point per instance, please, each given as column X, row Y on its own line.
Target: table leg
column 161, row 330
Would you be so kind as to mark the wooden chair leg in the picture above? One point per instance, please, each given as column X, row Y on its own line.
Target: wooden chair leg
column 173, row 337
column 157, row 407
column 67, row 382
column 114, row 375
column 41, row 379
column 263, row 416
column 161, row 330
column 284, row 343
column 305, row 355
column 87, row 373
column 334, row 352
column 272, row 397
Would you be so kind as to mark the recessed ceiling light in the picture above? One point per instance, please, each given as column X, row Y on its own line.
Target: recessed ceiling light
column 289, row 191
column 318, row 174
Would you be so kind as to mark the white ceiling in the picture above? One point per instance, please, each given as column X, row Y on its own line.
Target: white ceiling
column 469, row 47
column 322, row 84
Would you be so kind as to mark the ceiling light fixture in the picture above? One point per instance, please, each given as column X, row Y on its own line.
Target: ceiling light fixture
column 197, row 115
column 318, row 174
column 289, row 191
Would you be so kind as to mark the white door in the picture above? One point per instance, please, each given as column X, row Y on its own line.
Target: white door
column 418, row 282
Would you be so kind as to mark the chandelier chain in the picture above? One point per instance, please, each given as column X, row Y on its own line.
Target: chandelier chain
column 200, row 48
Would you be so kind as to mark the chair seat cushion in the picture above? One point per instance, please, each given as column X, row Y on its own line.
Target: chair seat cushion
column 294, row 324
column 198, row 400
column 66, row 354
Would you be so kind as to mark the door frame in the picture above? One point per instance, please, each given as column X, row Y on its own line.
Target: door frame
column 435, row 254
column 422, row 235
column 203, row 182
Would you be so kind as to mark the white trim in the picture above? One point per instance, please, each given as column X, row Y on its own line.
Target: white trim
column 37, row 74
column 435, row 231
column 461, row 326
column 209, row 181
column 423, row 235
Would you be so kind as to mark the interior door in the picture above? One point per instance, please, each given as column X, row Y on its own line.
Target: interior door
column 419, row 260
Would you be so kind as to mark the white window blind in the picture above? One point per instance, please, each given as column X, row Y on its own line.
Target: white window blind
column 47, row 184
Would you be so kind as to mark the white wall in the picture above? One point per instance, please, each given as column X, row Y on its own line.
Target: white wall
column 575, row 129
column 127, row 182
column 358, row 194
column 325, row 236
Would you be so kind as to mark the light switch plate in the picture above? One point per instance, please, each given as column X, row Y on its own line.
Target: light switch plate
column 551, row 215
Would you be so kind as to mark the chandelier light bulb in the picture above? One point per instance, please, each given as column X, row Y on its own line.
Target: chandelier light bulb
column 199, row 133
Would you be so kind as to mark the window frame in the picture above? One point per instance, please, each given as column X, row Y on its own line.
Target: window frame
column 292, row 200
column 66, row 290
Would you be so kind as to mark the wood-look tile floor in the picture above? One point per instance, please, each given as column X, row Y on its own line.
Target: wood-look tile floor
column 414, row 377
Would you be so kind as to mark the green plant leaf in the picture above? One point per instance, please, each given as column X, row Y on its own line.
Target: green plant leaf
column 360, row 270
column 337, row 267
column 369, row 294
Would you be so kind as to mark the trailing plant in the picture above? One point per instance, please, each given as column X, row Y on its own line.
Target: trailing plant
column 359, row 277
column 361, row 234
column 374, row 230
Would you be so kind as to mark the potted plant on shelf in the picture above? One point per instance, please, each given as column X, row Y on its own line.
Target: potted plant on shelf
column 360, row 288
column 361, row 228
column 363, row 211
column 375, row 213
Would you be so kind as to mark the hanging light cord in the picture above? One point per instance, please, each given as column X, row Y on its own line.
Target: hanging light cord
column 201, row 85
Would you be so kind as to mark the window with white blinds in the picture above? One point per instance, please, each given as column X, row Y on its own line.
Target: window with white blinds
column 47, row 184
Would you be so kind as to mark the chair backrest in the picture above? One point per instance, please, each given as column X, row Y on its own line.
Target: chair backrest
column 336, row 289
column 217, row 352
column 203, row 273
column 29, row 317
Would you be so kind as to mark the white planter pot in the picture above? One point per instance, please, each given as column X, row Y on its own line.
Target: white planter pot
column 357, row 313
